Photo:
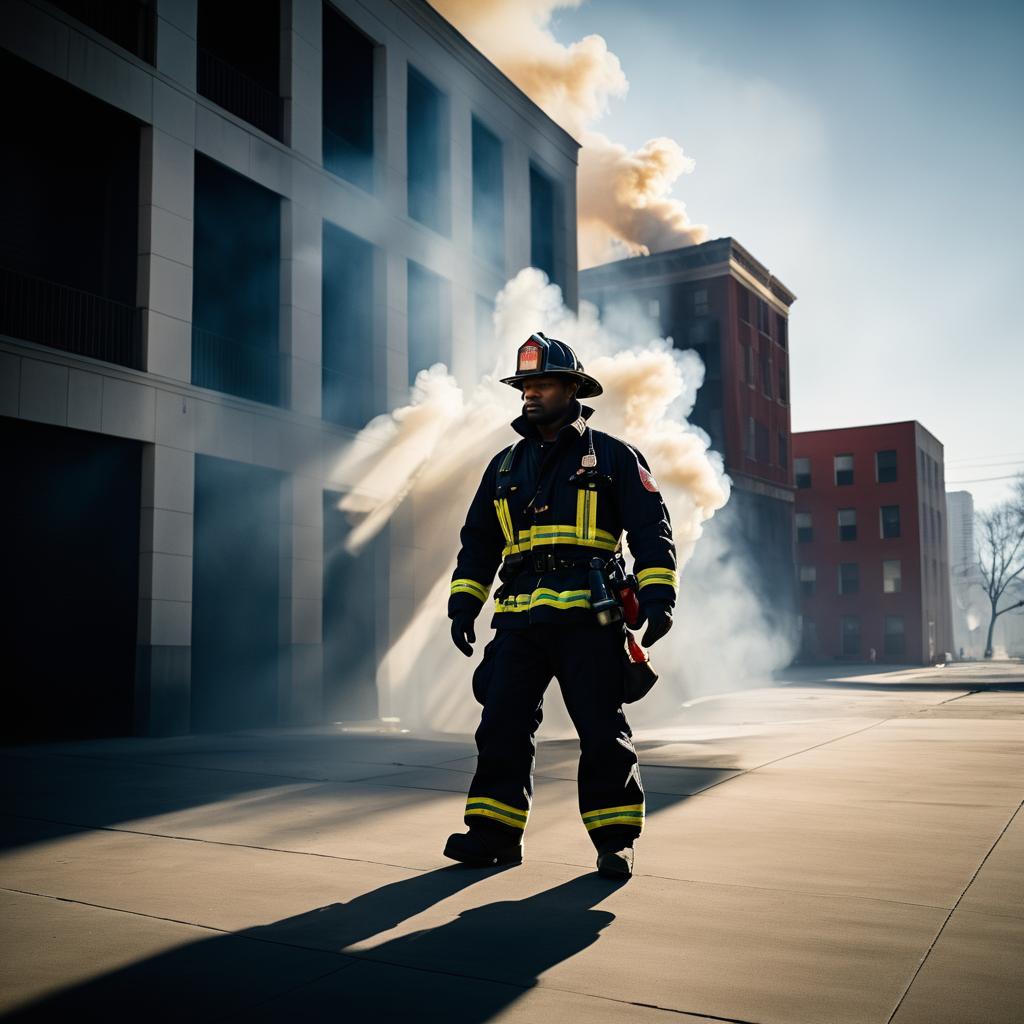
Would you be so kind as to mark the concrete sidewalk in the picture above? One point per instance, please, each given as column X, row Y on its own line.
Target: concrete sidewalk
column 813, row 853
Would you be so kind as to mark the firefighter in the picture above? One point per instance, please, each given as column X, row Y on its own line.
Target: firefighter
column 562, row 494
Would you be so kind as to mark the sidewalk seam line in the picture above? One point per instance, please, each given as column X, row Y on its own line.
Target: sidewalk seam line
column 213, row 842
column 949, row 916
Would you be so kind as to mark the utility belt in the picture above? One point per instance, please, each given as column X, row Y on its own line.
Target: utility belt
column 538, row 562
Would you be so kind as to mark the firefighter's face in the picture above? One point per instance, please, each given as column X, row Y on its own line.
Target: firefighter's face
column 546, row 399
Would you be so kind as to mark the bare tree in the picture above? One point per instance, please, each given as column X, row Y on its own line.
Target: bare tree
column 1001, row 556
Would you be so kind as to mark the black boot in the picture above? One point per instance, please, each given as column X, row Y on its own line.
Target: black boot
column 480, row 849
column 615, row 860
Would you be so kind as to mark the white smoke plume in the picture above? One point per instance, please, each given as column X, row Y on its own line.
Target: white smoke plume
column 417, row 469
column 625, row 204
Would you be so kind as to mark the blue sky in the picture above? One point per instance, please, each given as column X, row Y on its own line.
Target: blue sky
column 872, row 156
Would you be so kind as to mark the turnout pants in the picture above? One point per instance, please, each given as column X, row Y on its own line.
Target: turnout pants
column 510, row 683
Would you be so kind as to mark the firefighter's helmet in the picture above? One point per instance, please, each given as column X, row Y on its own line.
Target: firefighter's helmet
column 540, row 356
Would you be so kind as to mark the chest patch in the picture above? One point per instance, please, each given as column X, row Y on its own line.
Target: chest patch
column 647, row 480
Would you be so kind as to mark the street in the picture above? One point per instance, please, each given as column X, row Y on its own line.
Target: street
column 830, row 849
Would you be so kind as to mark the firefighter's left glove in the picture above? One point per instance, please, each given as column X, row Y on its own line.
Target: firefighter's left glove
column 462, row 632
column 658, row 617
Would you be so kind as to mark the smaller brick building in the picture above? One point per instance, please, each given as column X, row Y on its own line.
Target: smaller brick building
column 871, row 543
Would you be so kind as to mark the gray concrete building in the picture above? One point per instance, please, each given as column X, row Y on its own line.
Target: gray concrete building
column 227, row 246
column 969, row 613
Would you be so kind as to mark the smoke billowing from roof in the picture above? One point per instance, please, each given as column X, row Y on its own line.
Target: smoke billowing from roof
column 625, row 206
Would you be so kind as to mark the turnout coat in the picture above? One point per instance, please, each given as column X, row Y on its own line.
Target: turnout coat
column 546, row 503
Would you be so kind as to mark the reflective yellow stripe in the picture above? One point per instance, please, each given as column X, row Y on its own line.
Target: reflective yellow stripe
column 500, row 509
column 616, row 820
column 470, row 587
column 668, row 577
column 485, row 807
column 628, row 814
column 560, row 533
column 542, row 596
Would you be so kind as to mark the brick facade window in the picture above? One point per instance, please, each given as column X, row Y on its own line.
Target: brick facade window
column 885, row 466
column 808, row 579
column 892, row 576
column 849, row 578
column 889, row 519
column 846, row 521
column 850, row 634
column 804, row 527
column 802, row 472
column 843, row 470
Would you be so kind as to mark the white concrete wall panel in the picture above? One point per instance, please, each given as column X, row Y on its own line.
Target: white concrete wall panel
column 129, row 409
column 10, row 383
column 100, row 68
column 44, row 392
column 85, row 400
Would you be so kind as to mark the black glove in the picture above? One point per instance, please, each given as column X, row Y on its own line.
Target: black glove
column 462, row 632
column 658, row 617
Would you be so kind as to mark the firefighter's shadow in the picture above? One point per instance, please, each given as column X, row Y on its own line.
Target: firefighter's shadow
column 464, row 971
column 468, row 969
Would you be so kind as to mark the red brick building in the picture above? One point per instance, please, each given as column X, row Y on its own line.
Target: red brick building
column 718, row 300
column 871, row 544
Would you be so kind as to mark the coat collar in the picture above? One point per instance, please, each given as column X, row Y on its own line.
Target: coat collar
column 577, row 424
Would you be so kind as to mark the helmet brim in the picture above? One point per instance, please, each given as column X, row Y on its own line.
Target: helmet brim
column 589, row 387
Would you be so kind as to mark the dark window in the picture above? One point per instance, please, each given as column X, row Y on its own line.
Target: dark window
column 129, row 23
column 784, row 452
column 850, row 633
column 429, row 319
column 846, row 519
column 809, row 638
column 751, row 445
column 763, row 321
column 743, row 302
column 238, row 60
column 885, row 466
column 802, row 472
column 890, row 519
column 488, row 196
column 766, row 369
column 804, row 527
column 761, row 441
column 543, row 212
column 808, row 579
column 236, row 285
column 849, row 578
column 700, row 302
column 781, row 330
column 347, row 100
column 70, row 239
column 426, row 138
column 895, row 636
column 783, row 386
column 748, row 364
column 348, row 381
column 844, row 470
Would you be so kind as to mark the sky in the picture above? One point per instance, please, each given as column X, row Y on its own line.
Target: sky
column 871, row 155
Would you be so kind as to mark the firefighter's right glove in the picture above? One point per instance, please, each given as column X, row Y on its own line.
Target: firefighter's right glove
column 462, row 632
column 658, row 617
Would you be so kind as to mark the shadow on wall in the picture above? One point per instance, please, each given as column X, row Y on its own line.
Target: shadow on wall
column 318, row 966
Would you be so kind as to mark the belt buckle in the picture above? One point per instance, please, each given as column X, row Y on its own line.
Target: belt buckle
column 542, row 561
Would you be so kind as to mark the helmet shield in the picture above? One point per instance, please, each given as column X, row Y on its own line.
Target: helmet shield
column 540, row 356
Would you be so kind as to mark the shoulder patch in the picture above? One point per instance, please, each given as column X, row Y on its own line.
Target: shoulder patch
column 646, row 479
